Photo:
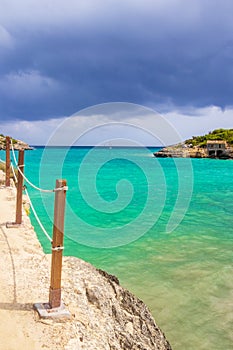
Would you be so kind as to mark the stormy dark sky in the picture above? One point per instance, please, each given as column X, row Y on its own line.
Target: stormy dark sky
column 57, row 57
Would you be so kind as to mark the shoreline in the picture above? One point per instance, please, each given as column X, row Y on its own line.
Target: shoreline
column 181, row 150
column 104, row 314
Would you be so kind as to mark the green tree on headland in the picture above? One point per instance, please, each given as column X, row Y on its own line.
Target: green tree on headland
column 218, row 134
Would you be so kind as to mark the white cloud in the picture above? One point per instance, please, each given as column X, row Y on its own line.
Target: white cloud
column 200, row 122
column 32, row 132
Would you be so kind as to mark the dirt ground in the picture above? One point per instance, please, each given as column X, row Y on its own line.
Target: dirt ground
column 24, row 280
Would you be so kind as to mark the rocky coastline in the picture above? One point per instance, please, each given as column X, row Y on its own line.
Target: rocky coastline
column 217, row 144
column 182, row 150
column 104, row 315
column 18, row 144
column 108, row 316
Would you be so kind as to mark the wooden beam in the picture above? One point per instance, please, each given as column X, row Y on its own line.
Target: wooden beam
column 57, row 245
column 18, row 219
column 8, row 161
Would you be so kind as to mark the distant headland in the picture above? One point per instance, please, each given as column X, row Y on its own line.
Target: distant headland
column 216, row 144
column 18, row 144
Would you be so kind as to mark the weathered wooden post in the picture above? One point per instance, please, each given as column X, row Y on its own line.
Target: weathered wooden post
column 18, row 219
column 54, row 308
column 8, row 162
column 57, row 244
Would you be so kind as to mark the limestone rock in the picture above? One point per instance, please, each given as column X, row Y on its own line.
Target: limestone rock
column 2, row 177
column 181, row 150
column 18, row 144
column 109, row 317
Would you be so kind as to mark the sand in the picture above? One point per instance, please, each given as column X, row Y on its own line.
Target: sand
column 24, row 280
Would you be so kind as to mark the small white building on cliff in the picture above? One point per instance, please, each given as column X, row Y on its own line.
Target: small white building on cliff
column 216, row 148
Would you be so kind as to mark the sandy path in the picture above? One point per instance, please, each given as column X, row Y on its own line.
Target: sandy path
column 24, row 280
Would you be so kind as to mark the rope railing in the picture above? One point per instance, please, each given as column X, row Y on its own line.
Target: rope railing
column 35, row 187
column 14, row 174
column 37, row 218
column 29, row 182
column 33, row 208
column 58, row 225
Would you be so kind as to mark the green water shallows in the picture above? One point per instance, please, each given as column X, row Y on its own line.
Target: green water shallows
column 185, row 277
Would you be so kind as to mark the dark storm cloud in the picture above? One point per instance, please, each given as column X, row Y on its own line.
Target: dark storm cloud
column 55, row 60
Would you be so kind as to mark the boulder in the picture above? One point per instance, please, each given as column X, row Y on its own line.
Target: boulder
column 108, row 317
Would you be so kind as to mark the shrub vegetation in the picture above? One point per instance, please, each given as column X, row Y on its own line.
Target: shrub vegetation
column 218, row 134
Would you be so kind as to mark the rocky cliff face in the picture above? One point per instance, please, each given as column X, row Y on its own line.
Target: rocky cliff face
column 183, row 151
column 109, row 317
column 180, row 151
column 18, row 144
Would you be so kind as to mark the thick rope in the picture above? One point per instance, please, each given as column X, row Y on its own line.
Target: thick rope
column 13, row 171
column 58, row 248
column 65, row 188
column 33, row 209
column 37, row 218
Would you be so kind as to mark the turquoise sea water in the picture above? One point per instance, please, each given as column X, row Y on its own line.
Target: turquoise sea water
column 184, row 276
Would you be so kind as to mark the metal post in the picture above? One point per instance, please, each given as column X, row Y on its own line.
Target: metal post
column 57, row 245
column 18, row 219
column 8, row 165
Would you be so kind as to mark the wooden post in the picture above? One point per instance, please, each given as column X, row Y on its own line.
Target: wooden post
column 8, row 165
column 57, row 245
column 18, row 219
